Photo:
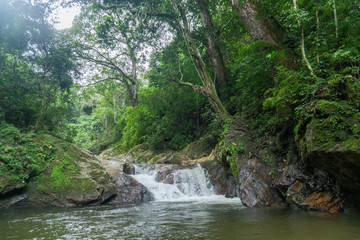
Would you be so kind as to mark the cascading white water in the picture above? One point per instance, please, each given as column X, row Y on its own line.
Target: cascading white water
column 189, row 184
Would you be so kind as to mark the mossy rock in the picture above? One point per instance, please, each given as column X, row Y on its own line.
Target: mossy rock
column 115, row 149
column 334, row 108
column 200, row 148
column 335, row 150
column 73, row 177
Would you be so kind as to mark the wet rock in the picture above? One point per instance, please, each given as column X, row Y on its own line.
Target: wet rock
column 255, row 185
column 334, row 150
column 8, row 186
column 301, row 195
column 128, row 168
column 324, row 201
column 130, row 191
column 165, row 172
column 222, row 182
column 309, row 188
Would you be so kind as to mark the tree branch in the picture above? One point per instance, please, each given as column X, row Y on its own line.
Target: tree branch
column 102, row 80
column 116, row 6
column 222, row 29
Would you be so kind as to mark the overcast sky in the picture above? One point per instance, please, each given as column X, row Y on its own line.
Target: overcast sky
column 66, row 16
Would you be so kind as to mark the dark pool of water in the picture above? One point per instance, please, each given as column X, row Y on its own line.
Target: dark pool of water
column 182, row 220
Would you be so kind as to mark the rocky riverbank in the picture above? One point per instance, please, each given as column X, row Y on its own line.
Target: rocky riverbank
column 239, row 167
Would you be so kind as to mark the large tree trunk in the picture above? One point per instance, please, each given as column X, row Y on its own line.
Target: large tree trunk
column 214, row 51
column 208, row 89
column 267, row 29
column 38, row 121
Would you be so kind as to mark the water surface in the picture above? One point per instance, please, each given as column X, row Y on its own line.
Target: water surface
column 177, row 220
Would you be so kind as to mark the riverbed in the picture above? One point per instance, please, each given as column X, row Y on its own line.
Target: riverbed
column 177, row 220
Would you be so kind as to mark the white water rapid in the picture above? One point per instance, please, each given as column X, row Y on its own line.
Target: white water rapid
column 171, row 183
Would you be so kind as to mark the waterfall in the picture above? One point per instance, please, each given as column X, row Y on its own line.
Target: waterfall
column 174, row 182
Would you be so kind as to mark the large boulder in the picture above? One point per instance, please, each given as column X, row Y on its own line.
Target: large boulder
column 223, row 182
column 73, row 177
column 310, row 188
column 128, row 190
column 331, row 142
column 256, row 185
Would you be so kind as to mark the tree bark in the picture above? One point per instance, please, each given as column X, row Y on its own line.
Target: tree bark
column 134, row 93
column 336, row 20
column 302, row 43
column 214, row 51
column 208, row 89
column 267, row 29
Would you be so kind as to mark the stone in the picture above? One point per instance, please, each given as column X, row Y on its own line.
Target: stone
column 299, row 194
column 128, row 168
column 74, row 177
column 130, row 191
column 222, row 182
column 165, row 172
column 255, row 185
column 334, row 150
column 309, row 188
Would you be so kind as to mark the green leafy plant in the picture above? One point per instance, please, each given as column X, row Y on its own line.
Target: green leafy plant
column 231, row 152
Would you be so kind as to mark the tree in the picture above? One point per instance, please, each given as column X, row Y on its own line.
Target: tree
column 213, row 50
column 176, row 14
column 36, row 67
column 267, row 29
column 116, row 42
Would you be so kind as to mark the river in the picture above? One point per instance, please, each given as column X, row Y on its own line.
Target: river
column 177, row 220
column 186, row 209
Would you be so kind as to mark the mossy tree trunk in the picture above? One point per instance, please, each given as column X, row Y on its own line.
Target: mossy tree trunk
column 208, row 88
column 213, row 51
column 266, row 29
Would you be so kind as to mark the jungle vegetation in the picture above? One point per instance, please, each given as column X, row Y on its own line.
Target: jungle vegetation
column 165, row 72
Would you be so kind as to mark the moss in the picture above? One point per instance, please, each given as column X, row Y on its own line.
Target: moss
column 325, row 107
column 62, row 168
column 324, row 134
column 21, row 157
column 63, row 184
column 200, row 148
column 352, row 144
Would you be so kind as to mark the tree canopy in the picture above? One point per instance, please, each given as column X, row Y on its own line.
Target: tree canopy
column 164, row 73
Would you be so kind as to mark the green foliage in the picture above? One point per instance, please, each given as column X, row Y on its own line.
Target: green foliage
column 231, row 152
column 163, row 119
column 21, row 156
column 252, row 70
column 61, row 163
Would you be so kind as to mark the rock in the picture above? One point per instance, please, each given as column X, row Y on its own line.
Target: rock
column 165, row 172
column 74, row 177
column 130, row 191
column 299, row 194
column 8, row 186
column 255, row 185
column 128, row 168
column 222, row 182
column 309, row 188
column 334, row 146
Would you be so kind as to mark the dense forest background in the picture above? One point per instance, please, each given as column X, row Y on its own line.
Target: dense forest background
column 166, row 73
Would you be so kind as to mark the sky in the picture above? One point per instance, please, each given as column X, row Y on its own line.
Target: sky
column 66, row 16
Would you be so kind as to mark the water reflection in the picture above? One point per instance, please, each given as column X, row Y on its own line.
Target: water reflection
column 176, row 220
